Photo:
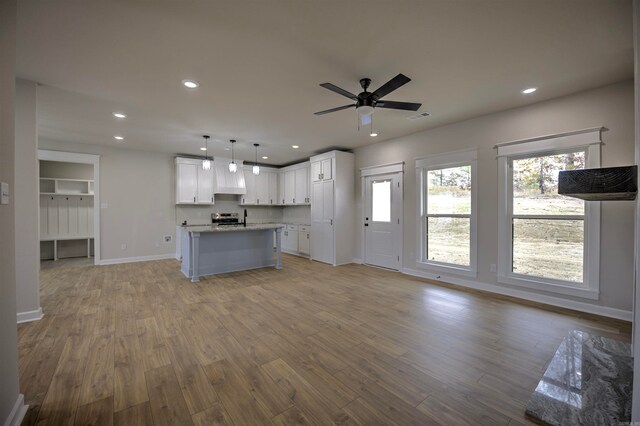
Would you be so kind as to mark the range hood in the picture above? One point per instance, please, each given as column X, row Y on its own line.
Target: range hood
column 225, row 181
column 605, row 184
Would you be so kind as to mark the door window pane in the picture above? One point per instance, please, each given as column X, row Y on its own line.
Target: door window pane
column 449, row 240
column 449, row 191
column 535, row 185
column 549, row 248
column 381, row 201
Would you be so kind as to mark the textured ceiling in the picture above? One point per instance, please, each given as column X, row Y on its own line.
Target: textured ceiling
column 259, row 64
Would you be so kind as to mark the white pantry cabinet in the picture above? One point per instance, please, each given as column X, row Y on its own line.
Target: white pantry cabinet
column 332, row 207
column 194, row 185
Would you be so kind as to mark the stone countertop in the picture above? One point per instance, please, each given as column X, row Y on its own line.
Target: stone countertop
column 234, row 228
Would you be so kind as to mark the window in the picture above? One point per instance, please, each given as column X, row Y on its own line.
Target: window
column 548, row 241
column 381, row 201
column 447, row 212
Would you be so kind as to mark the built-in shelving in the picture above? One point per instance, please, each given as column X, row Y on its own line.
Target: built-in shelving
column 58, row 186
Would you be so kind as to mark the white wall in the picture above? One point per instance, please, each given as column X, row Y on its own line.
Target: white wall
column 137, row 189
column 60, row 169
column 9, row 390
column 26, row 202
column 610, row 106
column 636, row 310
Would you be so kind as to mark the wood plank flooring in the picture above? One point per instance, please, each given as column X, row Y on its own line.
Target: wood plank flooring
column 139, row 344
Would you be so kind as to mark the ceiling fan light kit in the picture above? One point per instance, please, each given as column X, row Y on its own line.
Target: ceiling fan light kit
column 366, row 102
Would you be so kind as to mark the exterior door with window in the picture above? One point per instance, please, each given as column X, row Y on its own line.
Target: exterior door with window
column 382, row 221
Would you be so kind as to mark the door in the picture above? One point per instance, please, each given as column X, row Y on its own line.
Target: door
column 250, row 182
column 382, row 221
column 327, row 170
column 289, row 186
column 262, row 188
column 273, row 187
column 316, row 171
column 322, row 235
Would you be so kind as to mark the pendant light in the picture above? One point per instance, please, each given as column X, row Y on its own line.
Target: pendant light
column 256, row 168
column 233, row 167
column 206, row 163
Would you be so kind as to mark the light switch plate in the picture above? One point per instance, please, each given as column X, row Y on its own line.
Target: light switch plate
column 4, row 193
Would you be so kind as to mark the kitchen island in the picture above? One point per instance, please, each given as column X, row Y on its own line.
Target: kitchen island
column 217, row 249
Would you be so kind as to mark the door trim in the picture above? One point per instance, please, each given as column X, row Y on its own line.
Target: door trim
column 74, row 157
column 383, row 169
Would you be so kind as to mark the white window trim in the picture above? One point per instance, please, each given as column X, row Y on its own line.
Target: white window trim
column 588, row 140
column 441, row 161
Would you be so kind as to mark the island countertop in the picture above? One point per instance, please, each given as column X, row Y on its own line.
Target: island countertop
column 234, row 228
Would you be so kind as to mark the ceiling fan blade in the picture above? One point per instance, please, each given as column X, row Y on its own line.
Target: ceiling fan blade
column 327, row 111
column 408, row 106
column 339, row 91
column 391, row 85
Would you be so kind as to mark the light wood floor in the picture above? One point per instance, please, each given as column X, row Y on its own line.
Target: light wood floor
column 139, row 344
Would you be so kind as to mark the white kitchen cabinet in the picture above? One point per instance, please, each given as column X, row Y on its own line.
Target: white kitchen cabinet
column 291, row 238
column 194, row 185
column 281, row 185
column 332, row 207
column 250, row 182
column 322, row 170
column 304, row 239
column 274, row 177
column 302, row 186
column 262, row 189
column 289, row 186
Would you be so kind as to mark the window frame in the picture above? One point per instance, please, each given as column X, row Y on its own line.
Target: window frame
column 587, row 141
column 438, row 162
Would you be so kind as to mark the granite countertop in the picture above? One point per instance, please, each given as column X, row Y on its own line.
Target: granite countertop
column 234, row 228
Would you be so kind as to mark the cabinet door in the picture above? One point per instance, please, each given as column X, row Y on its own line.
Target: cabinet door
column 250, row 182
column 281, row 188
column 187, row 183
column 303, row 242
column 316, row 171
column 273, row 188
column 317, row 242
column 301, row 182
column 205, row 186
column 289, row 187
column 327, row 170
column 327, row 219
column 262, row 188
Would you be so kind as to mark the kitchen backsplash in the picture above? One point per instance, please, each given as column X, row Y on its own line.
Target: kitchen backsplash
column 197, row 215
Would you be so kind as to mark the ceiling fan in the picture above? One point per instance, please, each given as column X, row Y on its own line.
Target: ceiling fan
column 366, row 102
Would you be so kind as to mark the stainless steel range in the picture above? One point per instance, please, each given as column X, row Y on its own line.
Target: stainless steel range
column 225, row 219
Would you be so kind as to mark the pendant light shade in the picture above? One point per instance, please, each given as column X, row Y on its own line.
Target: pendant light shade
column 233, row 167
column 206, row 162
column 256, row 168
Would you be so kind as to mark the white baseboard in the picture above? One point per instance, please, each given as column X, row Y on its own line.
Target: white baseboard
column 356, row 261
column 29, row 316
column 522, row 294
column 17, row 413
column 137, row 259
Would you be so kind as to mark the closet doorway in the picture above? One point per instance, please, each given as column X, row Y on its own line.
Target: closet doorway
column 69, row 209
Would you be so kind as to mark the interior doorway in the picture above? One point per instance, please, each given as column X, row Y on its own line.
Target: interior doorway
column 383, row 220
column 69, row 209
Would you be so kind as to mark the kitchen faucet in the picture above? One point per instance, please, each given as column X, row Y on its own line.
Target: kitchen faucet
column 245, row 218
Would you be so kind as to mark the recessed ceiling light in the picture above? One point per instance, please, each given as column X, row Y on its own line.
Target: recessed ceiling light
column 295, row 146
column 373, row 134
column 529, row 90
column 119, row 138
column 119, row 114
column 264, row 157
column 203, row 149
column 190, row 84
column 227, row 149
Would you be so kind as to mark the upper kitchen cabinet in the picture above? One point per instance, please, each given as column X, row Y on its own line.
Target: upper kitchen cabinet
column 194, row 185
column 332, row 207
column 322, row 170
column 295, row 180
column 262, row 189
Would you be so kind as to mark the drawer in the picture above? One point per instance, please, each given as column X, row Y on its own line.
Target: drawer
column 304, row 228
column 292, row 227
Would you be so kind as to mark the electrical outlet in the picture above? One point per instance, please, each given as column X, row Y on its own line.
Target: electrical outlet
column 493, row 267
column 4, row 193
column 123, row 246
column 168, row 238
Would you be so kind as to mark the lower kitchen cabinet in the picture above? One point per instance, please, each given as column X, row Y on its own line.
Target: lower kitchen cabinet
column 296, row 239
